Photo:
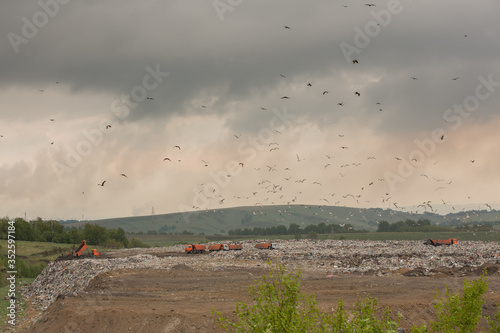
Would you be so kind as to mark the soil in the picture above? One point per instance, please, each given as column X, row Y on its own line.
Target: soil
column 180, row 299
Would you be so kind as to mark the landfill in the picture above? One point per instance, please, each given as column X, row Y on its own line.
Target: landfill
column 71, row 277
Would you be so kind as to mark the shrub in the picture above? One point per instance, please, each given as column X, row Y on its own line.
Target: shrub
column 280, row 307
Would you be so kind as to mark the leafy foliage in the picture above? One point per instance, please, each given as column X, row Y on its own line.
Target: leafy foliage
column 280, row 307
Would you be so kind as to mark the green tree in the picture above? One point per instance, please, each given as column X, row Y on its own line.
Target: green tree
column 95, row 234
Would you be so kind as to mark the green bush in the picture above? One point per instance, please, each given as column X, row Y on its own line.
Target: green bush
column 133, row 243
column 280, row 307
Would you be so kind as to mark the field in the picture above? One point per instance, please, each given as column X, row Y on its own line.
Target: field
column 221, row 221
column 169, row 240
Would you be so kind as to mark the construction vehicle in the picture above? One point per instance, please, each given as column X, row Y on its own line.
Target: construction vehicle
column 236, row 247
column 218, row 247
column 439, row 242
column 195, row 248
column 268, row 246
column 79, row 251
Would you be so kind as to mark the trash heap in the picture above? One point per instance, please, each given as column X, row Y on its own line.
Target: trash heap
column 321, row 256
column 70, row 277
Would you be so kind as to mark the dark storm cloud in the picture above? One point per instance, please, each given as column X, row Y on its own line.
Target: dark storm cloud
column 106, row 47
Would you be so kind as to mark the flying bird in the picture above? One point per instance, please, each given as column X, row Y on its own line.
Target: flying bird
column 325, row 92
column 101, row 184
column 167, row 159
column 287, row 27
column 357, row 93
column 177, row 147
column 285, row 97
column 124, row 175
column 355, row 61
column 341, row 103
column 309, row 85
column 456, row 78
column 150, row 98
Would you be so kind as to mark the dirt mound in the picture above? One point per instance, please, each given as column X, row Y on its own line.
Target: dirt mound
column 181, row 267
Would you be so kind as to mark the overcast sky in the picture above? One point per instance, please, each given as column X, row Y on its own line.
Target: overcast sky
column 390, row 105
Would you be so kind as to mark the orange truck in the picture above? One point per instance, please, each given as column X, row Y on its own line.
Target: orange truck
column 439, row 242
column 218, row 247
column 79, row 251
column 269, row 246
column 195, row 248
column 236, row 247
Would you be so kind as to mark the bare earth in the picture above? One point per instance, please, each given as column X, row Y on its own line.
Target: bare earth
column 180, row 299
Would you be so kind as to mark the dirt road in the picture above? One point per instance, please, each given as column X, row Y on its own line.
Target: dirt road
column 180, row 299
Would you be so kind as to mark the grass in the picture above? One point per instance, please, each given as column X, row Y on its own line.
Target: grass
column 169, row 240
column 4, row 303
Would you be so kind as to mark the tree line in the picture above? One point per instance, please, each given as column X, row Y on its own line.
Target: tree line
column 410, row 226
column 52, row 231
column 295, row 229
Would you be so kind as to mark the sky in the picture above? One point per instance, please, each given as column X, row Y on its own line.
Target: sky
column 126, row 108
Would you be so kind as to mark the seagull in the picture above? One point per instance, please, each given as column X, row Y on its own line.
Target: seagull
column 357, row 93
column 177, row 147
column 325, row 92
column 150, row 98
column 285, row 97
column 167, row 159
column 282, row 75
column 108, row 126
column 355, row 61
column 369, row 4
column 344, row 147
column 287, row 27
column 472, row 161
column 52, row 119
column 309, row 85
column 124, row 175
column 101, row 184
column 456, row 78
column 341, row 103
column 298, row 159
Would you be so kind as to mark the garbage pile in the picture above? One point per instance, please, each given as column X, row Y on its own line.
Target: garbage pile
column 321, row 256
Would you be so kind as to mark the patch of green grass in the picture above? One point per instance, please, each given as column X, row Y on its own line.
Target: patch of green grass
column 20, row 303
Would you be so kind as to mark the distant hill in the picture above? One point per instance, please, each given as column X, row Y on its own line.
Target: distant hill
column 220, row 221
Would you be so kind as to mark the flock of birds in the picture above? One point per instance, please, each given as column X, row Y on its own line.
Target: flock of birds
column 273, row 184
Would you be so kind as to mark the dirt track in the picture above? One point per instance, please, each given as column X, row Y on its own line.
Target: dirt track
column 180, row 299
